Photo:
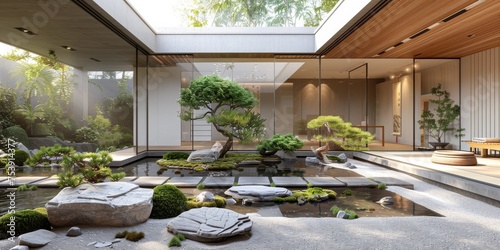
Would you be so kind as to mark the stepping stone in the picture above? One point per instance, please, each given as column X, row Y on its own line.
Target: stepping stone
column 150, row 181
column 245, row 180
column 390, row 181
column 324, row 182
column 128, row 179
column 185, row 181
column 38, row 238
column 218, row 181
column 257, row 193
column 357, row 181
column 18, row 181
column 288, row 181
column 49, row 182
column 210, row 224
column 3, row 179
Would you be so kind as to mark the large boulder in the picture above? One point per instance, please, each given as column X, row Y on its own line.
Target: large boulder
column 210, row 224
column 203, row 155
column 104, row 204
column 257, row 193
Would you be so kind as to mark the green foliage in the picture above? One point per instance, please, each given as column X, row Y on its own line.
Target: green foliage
column 26, row 187
column 92, row 167
column 223, row 163
column 168, row 201
column 347, row 192
column 315, row 194
column 117, row 176
column 334, row 158
column 436, row 123
column 174, row 242
column 68, row 179
column 229, row 108
column 45, row 153
column 340, row 133
column 286, row 142
column 134, row 236
column 175, row 156
column 9, row 105
column 25, row 221
column 101, row 131
column 285, row 199
column 20, row 157
column 179, row 163
column 121, row 235
column 272, row 184
column 335, row 210
column 41, row 210
column 18, row 134
column 257, row 13
column 382, row 186
column 201, row 185
column 120, row 110
column 219, row 202
column 3, row 162
column 181, row 237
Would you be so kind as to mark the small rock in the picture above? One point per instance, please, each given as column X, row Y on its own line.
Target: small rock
column 301, row 201
column 343, row 157
column 116, row 241
column 247, row 202
column 352, row 166
column 346, row 216
column 92, row 243
column 230, row 201
column 347, row 165
column 387, row 200
column 20, row 247
column 205, row 196
column 38, row 238
column 341, row 214
column 103, row 244
column 74, row 231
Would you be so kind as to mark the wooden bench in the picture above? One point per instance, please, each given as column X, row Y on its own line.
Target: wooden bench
column 454, row 157
column 483, row 146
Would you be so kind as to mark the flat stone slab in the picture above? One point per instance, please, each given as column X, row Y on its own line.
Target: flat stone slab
column 210, row 181
column 391, row 181
column 357, row 181
column 49, row 182
column 252, row 180
column 150, row 181
column 185, row 181
column 116, row 204
column 210, row 224
column 281, row 181
column 128, row 179
column 324, row 181
column 257, row 193
column 18, row 181
column 3, row 179
column 38, row 238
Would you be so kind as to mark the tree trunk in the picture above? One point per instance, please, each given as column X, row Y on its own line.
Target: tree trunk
column 226, row 147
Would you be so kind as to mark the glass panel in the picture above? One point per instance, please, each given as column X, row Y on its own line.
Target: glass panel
column 167, row 74
column 429, row 73
column 141, row 104
column 296, row 97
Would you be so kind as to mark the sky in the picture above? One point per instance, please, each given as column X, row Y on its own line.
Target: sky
column 159, row 13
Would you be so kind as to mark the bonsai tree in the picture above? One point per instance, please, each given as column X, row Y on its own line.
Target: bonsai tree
column 229, row 109
column 286, row 142
column 436, row 123
column 340, row 135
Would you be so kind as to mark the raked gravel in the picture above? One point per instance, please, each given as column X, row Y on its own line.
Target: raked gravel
column 467, row 224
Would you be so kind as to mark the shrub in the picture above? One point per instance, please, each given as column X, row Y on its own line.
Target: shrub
column 181, row 237
column 134, row 236
column 20, row 156
column 347, row 192
column 26, row 187
column 335, row 210
column 286, row 142
column 340, row 135
column 315, row 194
column 382, row 186
column 175, row 156
column 18, row 133
column 174, row 242
column 121, row 235
column 45, row 153
column 117, row 176
column 9, row 105
column 26, row 221
column 168, row 201
column 201, row 185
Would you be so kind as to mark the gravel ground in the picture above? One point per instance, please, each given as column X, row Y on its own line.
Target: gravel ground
column 467, row 224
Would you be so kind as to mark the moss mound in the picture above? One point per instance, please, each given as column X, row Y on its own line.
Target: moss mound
column 25, row 221
column 175, row 156
column 168, row 201
column 219, row 202
column 18, row 133
column 20, row 157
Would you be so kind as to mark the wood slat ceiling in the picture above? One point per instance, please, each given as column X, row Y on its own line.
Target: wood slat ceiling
column 476, row 30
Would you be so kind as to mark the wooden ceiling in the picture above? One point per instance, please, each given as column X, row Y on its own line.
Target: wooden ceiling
column 475, row 30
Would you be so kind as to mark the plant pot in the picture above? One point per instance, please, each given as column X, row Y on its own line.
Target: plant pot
column 439, row 145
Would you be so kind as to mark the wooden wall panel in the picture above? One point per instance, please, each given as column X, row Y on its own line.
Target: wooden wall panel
column 481, row 94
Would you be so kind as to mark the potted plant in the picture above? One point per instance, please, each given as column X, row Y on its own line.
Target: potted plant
column 441, row 120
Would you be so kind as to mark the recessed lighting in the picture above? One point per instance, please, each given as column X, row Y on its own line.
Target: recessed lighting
column 69, row 48
column 95, row 60
column 25, row 31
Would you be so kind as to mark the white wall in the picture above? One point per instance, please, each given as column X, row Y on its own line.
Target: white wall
column 480, row 75
column 164, row 88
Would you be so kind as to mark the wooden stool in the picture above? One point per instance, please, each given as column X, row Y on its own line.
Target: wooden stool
column 454, row 157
